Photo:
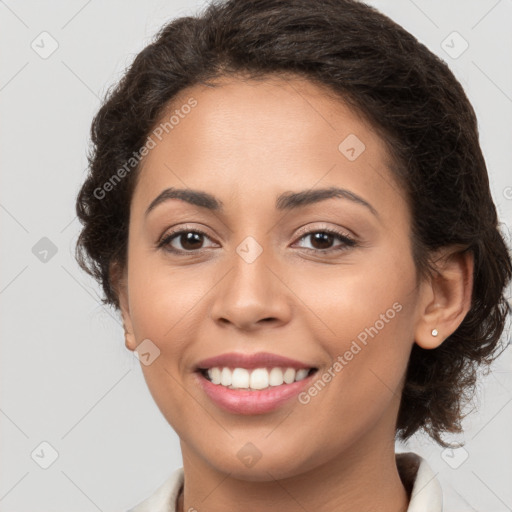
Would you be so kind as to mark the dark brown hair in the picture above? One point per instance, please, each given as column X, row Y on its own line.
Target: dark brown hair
column 410, row 97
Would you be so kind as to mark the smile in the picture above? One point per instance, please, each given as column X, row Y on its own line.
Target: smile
column 234, row 391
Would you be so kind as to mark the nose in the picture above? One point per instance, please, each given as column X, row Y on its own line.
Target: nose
column 252, row 295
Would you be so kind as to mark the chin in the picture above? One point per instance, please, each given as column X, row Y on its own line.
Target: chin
column 267, row 468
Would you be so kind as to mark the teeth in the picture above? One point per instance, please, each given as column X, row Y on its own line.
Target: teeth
column 289, row 375
column 259, row 378
column 239, row 378
column 225, row 377
column 215, row 375
column 301, row 374
column 275, row 377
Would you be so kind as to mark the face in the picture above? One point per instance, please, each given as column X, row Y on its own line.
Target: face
column 326, row 280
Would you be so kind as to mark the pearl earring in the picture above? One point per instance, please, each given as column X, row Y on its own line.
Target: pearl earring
column 434, row 332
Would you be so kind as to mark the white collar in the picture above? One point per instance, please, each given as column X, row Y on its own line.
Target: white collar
column 426, row 492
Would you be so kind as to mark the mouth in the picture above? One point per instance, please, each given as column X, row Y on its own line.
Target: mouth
column 253, row 391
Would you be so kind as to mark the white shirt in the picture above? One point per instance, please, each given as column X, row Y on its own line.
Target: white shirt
column 426, row 493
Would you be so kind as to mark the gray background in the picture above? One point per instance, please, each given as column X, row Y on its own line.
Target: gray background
column 66, row 377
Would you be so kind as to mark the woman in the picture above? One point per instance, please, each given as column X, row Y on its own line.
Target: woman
column 289, row 206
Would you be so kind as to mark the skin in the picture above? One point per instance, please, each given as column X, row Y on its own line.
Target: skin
column 246, row 142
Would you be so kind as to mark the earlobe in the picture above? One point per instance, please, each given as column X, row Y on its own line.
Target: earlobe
column 119, row 284
column 447, row 297
column 129, row 339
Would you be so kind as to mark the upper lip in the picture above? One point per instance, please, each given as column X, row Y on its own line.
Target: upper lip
column 249, row 361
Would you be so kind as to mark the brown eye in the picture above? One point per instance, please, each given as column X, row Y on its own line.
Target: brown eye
column 188, row 240
column 322, row 240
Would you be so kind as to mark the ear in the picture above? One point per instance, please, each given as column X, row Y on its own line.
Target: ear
column 118, row 281
column 446, row 297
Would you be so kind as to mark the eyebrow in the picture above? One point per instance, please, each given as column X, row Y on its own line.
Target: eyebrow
column 285, row 201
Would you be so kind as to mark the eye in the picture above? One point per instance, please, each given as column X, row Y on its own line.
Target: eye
column 189, row 239
column 322, row 240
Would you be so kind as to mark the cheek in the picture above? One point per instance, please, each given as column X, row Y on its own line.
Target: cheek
column 163, row 305
column 354, row 296
column 366, row 323
column 167, row 305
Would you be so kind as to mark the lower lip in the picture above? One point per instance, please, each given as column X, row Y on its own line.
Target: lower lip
column 244, row 401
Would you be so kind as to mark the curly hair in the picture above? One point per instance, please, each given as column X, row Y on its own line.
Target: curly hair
column 409, row 96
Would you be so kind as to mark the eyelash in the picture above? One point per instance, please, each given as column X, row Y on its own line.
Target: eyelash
column 347, row 241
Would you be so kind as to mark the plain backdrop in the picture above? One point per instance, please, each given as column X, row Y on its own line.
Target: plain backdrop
column 67, row 380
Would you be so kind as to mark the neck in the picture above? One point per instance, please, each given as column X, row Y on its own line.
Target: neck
column 366, row 479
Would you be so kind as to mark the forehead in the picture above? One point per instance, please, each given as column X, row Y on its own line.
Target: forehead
column 263, row 137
